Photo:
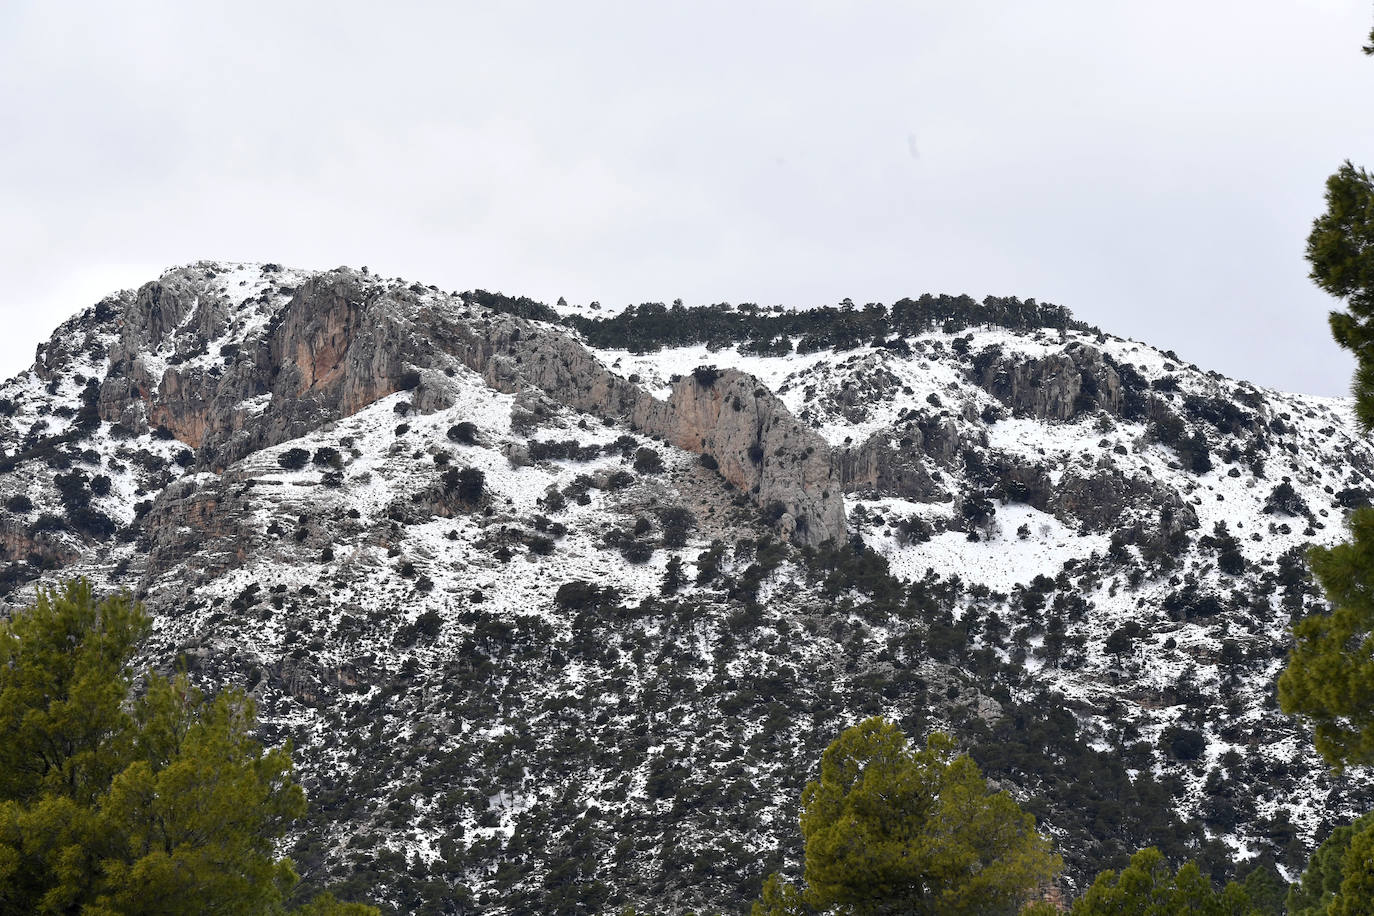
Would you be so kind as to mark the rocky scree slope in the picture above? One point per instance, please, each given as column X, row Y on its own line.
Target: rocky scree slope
column 559, row 608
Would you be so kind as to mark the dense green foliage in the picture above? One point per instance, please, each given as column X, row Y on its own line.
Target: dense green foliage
column 1340, row 876
column 1148, row 888
column 1340, row 249
column 653, row 325
column 111, row 803
column 1330, row 675
column 890, row 829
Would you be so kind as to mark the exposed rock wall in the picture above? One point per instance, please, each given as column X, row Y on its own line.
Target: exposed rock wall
column 758, row 444
column 511, row 353
column 342, row 342
column 18, row 542
column 201, row 523
column 1054, row 387
column 880, row 467
column 333, row 349
column 760, row 448
column 1102, row 498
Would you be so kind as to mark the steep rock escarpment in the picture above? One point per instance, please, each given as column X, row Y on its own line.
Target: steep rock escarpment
column 1058, row 386
column 20, row 543
column 202, row 523
column 331, row 350
column 343, row 341
column 759, row 445
column 880, row 466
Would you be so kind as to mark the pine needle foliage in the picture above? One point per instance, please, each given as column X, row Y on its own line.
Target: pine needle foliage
column 892, row 829
column 116, row 802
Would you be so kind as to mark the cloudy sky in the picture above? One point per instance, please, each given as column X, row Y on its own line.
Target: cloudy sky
column 1153, row 166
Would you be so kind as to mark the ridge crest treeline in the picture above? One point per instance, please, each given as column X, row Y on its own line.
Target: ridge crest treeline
column 652, row 325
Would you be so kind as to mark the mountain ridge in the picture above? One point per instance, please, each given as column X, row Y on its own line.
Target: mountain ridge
column 1047, row 539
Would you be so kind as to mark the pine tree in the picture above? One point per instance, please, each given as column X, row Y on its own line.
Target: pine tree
column 673, row 577
column 1344, row 855
column 1148, row 888
column 1340, row 249
column 1329, row 679
column 778, row 899
column 114, row 804
column 888, row 829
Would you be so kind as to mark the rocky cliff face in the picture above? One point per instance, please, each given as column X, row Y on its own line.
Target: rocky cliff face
column 1057, row 386
column 333, row 348
column 758, row 446
column 527, row 608
column 341, row 343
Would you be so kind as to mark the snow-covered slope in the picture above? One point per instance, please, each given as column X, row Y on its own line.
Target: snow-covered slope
column 523, row 598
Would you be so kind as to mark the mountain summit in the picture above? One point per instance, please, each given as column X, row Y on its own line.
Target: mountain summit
column 559, row 605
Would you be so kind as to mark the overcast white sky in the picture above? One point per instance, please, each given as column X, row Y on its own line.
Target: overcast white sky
column 1153, row 166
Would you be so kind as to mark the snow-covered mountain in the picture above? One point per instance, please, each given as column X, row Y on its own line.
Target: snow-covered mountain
column 560, row 605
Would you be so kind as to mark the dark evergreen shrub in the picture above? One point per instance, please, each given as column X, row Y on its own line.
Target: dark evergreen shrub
column 637, row 551
column 579, row 595
column 467, row 484
column 49, row 521
column 294, row 459
column 706, row 376
column 566, row 450
column 648, row 461
column 464, row 433
column 429, row 624
column 1286, row 500
column 328, row 457
column 1183, row 743
column 1353, row 497
column 676, row 522
column 620, row 480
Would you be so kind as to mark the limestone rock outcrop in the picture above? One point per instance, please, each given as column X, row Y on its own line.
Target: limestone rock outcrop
column 1100, row 498
column 1058, row 386
column 343, row 341
column 880, row 466
column 759, row 445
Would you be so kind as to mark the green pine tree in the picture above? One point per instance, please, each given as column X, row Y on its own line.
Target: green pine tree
column 1148, row 888
column 1329, row 679
column 116, row 804
column 778, row 899
column 1323, row 886
column 889, row 829
column 1329, row 673
column 1340, row 249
